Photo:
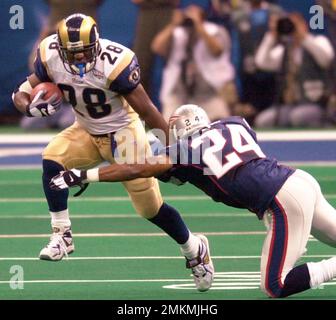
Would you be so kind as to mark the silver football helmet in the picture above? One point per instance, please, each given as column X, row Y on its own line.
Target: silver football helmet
column 186, row 120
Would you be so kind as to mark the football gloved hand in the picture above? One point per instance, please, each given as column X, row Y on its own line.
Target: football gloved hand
column 69, row 179
column 42, row 108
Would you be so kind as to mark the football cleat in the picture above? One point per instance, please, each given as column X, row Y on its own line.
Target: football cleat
column 60, row 245
column 202, row 267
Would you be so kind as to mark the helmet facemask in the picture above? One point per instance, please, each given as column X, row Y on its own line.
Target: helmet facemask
column 90, row 54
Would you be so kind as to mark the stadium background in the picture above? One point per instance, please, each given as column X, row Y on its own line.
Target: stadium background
column 115, row 256
column 16, row 45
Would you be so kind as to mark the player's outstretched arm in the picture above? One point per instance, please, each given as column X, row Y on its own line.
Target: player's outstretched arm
column 143, row 105
column 154, row 166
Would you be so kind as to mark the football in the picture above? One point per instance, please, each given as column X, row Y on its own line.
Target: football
column 50, row 89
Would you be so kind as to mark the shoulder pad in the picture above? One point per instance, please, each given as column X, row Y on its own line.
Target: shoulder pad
column 48, row 48
column 116, row 58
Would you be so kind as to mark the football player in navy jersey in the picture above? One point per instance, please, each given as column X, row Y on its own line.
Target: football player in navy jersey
column 224, row 160
column 101, row 80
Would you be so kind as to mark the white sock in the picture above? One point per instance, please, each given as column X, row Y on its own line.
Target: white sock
column 191, row 247
column 322, row 271
column 60, row 218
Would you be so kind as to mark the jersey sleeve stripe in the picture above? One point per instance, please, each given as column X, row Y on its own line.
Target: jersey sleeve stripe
column 127, row 59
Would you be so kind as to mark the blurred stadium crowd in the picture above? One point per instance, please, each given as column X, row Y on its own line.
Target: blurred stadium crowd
column 254, row 58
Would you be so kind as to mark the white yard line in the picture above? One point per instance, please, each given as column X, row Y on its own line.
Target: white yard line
column 21, row 167
column 97, row 281
column 305, row 135
column 10, row 152
column 27, row 138
column 150, row 258
column 38, row 182
column 287, row 163
column 295, row 135
column 107, row 235
column 102, row 199
column 130, row 234
column 118, row 199
column 296, row 164
column 130, row 215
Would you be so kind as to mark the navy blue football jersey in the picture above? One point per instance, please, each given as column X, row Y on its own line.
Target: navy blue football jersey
column 226, row 162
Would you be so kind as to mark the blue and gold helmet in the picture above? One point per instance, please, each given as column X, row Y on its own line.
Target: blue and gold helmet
column 78, row 42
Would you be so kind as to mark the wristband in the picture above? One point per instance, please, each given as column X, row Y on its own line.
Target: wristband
column 92, row 175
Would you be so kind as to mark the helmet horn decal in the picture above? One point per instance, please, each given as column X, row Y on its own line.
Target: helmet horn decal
column 85, row 30
column 63, row 33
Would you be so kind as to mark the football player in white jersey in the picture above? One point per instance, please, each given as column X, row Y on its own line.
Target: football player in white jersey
column 101, row 80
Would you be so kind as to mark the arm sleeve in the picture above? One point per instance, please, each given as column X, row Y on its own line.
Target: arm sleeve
column 128, row 79
column 40, row 69
column 268, row 57
column 320, row 48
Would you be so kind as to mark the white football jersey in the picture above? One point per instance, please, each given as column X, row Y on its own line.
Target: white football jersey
column 96, row 97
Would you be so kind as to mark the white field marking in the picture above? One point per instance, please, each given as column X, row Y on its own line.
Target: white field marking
column 19, row 182
column 217, row 286
column 26, row 138
column 222, row 281
column 119, row 199
column 296, row 164
column 104, row 235
column 10, row 152
column 232, row 281
column 306, row 135
column 287, row 163
column 38, row 182
column 227, row 274
column 20, row 167
column 96, row 281
column 295, row 135
column 130, row 215
column 104, row 199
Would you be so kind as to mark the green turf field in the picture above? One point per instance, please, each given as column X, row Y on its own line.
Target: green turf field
column 121, row 256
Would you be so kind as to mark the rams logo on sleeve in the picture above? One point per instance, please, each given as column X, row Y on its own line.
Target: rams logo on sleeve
column 134, row 76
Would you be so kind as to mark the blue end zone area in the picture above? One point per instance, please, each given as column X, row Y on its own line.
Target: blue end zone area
column 288, row 147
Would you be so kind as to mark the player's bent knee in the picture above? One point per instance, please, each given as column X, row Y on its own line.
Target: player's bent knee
column 56, row 160
column 265, row 291
column 51, row 153
column 145, row 195
column 271, row 294
column 51, row 167
column 273, row 287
